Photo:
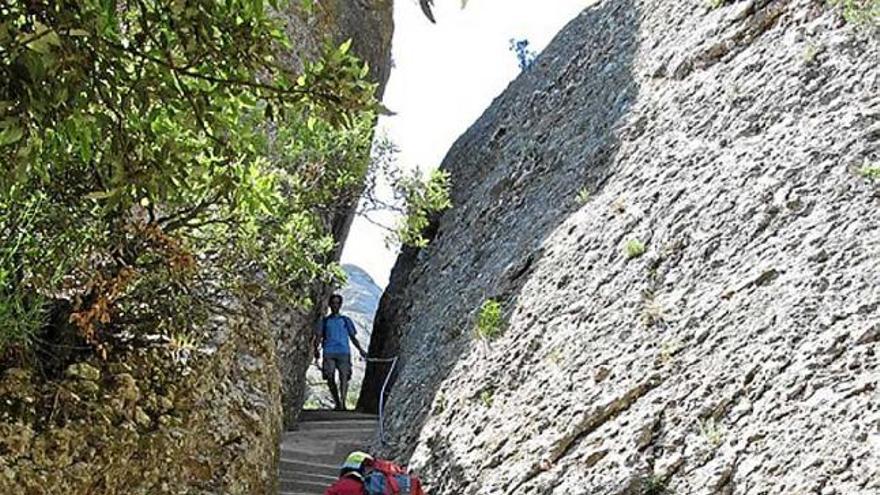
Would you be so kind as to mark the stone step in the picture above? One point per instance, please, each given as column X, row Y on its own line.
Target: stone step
column 334, row 453
column 303, row 476
column 334, row 460
column 326, row 444
column 335, row 424
column 323, row 415
column 312, row 454
column 303, row 486
column 354, row 433
column 292, row 466
column 332, row 433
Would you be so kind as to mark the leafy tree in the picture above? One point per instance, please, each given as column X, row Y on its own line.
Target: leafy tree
column 154, row 146
column 423, row 196
column 414, row 195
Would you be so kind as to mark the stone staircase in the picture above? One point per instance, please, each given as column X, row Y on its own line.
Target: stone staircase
column 312, row 453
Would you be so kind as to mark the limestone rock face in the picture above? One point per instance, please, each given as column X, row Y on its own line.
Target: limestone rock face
column 670, row 208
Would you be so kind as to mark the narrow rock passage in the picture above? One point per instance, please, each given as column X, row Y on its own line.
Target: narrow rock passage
column 312, row 453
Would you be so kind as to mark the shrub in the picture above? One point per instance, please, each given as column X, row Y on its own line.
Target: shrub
column 422, row 197
column 489, row 320
column 635, row 248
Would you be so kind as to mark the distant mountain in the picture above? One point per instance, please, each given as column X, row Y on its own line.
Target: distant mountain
column 361, row 300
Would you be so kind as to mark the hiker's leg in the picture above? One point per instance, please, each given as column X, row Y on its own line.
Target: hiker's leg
column 344, row 377
column 329, row 371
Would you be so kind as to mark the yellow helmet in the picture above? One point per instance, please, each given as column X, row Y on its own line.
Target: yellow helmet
column 356, row 460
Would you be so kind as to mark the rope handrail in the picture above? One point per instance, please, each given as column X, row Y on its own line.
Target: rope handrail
column 380, row 360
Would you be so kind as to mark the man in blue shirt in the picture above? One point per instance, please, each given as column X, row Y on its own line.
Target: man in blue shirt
column 333, row 335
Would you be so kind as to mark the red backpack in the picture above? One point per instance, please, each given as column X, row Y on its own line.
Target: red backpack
column 387, row 478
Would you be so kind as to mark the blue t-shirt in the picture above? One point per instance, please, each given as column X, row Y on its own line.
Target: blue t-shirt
column 336, row 330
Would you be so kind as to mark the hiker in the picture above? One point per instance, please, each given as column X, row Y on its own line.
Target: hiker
column 333, row 335
column 362, row 474
column 351, row 477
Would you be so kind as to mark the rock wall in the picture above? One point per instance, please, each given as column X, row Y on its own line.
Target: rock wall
column 205, row 420
column 370, row 26
column 673, row 208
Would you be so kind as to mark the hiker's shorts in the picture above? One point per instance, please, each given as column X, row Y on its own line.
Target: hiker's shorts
column 333, row 362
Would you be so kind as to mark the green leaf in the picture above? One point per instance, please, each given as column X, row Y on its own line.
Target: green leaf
column 101, row 195
column 43, row 39
column 345, row 47
column 11, row 135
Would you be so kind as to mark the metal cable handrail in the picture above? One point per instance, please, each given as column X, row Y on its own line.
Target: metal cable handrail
column 393, row 361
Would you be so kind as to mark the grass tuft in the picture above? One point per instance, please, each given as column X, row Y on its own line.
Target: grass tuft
column 489, row 321
column 634, row 248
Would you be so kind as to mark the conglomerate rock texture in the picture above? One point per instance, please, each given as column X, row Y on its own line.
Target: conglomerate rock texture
column 740, row 352
column 204, row 421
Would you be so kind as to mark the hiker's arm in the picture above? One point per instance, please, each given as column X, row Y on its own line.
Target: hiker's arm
column 352, row 334
column 357, row 344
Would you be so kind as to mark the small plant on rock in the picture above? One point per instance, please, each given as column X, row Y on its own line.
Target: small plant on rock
column 634, row 248
column 555, row 356
column 712, row 432
column 583, row 196
column 860, row 12
column 870, row 172
column 487, row 397
column 422, row 197
column 489, row 321
column 811, row 53
column 653, row 485
column 668, row 350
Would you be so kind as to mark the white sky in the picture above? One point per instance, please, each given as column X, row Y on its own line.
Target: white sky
column 444, row 76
